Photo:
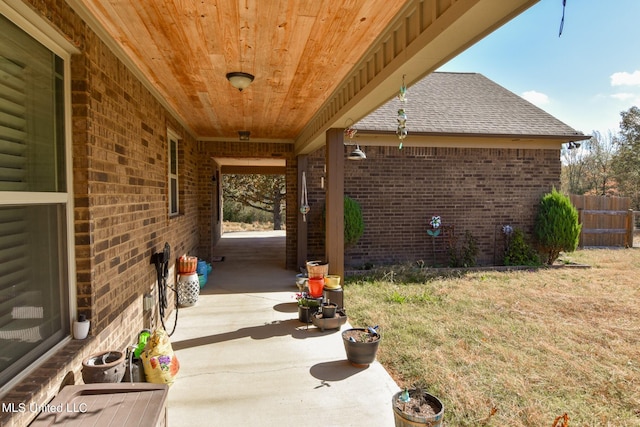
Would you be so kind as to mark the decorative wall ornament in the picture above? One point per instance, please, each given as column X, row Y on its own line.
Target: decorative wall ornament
column 304, row 201
column 356, row 154
column 402, row 115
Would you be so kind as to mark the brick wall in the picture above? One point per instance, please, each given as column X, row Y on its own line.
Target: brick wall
column 121, row 205
column 121, row 195
column 473, row 189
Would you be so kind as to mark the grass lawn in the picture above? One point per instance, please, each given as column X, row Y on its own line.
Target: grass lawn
column 517, row 348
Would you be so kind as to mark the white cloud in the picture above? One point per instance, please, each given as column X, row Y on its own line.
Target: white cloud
column 623, row 96
column 535, row 97
column 625, row 79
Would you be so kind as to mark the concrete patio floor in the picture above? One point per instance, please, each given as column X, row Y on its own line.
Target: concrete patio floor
column 246, row 360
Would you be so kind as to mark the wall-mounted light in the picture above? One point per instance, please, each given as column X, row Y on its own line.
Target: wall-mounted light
column 244, row 135
column 240, row 80
column 357, row 154
column 573, row 145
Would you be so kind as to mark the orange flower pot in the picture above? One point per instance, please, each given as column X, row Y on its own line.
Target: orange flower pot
column 187, row 264
column 316, row 286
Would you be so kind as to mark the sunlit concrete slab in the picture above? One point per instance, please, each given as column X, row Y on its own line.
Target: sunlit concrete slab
column 246, row 360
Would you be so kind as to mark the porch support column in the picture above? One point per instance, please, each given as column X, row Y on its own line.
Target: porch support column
column 302, row 225
column 334, row 236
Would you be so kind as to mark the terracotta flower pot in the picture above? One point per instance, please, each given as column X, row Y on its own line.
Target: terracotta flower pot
column 187, row 264
column 317, row 269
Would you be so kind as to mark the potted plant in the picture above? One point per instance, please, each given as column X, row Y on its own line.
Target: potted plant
column 307, row 306
column 361, row 345
column 416, row 407
column 329, row 310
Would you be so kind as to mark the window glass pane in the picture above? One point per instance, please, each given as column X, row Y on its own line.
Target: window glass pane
column 173, row 152
column 33, row 286
column 174, row 195
column 31, row 114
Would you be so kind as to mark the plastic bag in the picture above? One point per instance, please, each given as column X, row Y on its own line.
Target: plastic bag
column 158, row 359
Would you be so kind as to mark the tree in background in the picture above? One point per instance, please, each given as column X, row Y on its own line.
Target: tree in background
column 265, row 193
column 626, row 162
column 588, row 170
column 574, row 168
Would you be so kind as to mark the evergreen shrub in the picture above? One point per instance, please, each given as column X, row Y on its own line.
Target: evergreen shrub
column 556, row 228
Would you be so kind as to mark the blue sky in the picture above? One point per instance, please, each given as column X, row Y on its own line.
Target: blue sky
column 585, row 77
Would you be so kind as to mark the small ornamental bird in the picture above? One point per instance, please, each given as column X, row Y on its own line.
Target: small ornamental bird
column 404, row 396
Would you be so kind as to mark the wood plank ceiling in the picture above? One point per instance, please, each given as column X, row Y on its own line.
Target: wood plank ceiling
column 317, row 63
column 298, row 51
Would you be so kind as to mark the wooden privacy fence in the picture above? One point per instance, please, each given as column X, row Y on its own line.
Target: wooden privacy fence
column 606, row 221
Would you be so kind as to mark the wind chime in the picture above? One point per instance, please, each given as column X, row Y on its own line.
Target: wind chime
column 402, row 115
column 304, row 201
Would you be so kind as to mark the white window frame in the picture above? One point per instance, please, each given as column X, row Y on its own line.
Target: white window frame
column 174, row 205
column 32, row 24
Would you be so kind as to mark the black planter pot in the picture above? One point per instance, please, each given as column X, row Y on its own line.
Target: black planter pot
column 329, row 310
column 360, row 353
column 305, row 314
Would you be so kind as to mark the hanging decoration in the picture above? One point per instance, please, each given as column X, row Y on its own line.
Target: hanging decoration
column 350, row 132
column 304, row 201
column 564, row 6
column 402, row 115
column 357, row 154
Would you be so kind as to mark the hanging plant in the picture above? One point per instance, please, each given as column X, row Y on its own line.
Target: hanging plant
column 304, row 201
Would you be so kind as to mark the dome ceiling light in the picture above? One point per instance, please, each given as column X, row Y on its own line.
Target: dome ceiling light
column 240, row 80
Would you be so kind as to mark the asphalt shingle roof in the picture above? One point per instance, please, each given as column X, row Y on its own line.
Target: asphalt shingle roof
column 465, row 103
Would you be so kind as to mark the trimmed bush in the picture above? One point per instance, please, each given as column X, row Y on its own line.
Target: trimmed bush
column 353, row 221
column 556, row 228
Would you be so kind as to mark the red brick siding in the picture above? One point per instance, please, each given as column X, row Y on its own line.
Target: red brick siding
column 121, row 217
column 470, row 188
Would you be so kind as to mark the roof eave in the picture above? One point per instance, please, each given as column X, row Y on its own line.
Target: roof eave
column 477, row 140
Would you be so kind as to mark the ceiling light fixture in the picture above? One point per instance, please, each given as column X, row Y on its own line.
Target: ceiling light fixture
column 240, row 80
column 244, row 135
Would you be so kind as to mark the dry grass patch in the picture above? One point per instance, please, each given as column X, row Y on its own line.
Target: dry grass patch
column 228, row 226
column 525, row 346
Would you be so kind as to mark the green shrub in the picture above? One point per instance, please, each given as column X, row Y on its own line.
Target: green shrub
column 353, row 221
column 556, row 228
column 468, row 254
column 519, row 252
